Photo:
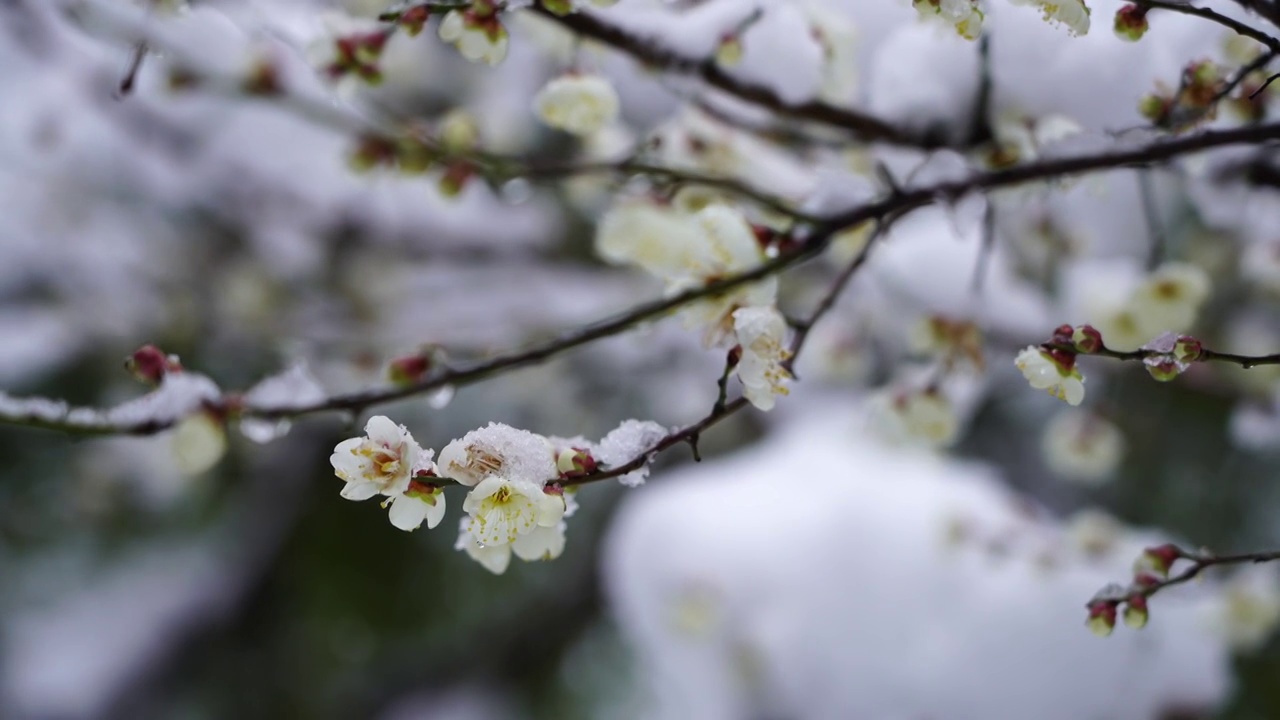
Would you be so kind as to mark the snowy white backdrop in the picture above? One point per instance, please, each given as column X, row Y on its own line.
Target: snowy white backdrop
column 844, row 555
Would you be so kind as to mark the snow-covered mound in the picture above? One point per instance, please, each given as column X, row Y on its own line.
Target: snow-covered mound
column 822, row 575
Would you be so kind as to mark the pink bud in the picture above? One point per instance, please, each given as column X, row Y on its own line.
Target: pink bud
column 1163, row 368
column 408, row 370
column 1188, row 349
column 1131, row 22
column 1087, row 339
column 1136, row 613
column 1102, row 617
column 150, row 364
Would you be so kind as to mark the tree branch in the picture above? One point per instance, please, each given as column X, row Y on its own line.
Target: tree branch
column 864, row 126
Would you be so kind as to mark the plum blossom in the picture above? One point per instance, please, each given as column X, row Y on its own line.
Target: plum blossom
column 923, row 417
column 510, row 508
column 760, row 332
column 498, row 449
column 1074, row 14
column 963, row 15
column 689, row 251
column 541, row 543
column 478, row 37
column 577, row 104
column 1054, row 372
column 389, row 462
column 1082, row 446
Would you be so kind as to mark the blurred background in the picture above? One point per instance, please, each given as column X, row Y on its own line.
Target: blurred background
column 819, row 563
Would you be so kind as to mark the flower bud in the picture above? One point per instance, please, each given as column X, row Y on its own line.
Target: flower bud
column 150, row 364
column 1163, row 368
column 1136, row 613
column 414, row 19
column 1157, row 560
column 1187, row 349
column 1102, row 617
column 409, row 370
column 1087, row 339
column 455, row 178
column 1131, row 22
column 729, row 51
column 575, row 462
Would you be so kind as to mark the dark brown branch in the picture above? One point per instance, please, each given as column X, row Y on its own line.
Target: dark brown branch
column 864, row 126
column 721, row 410
column 897, row 202
column 1272, row 43
column 1206, row 355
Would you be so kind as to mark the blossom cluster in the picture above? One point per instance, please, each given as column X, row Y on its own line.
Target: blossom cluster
column 692, row 247
column 966, row 16
column 517, row 500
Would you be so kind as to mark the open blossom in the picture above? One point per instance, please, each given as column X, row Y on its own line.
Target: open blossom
column 1074, row 14
column 1082, row 446
column 1057, row 375
column 541, row 543
column 388, row 461
column 919, row 417
column 760, row 332
column 577, row 104
column 964, row 15
column 479, row 38
column 689, row 251
column 502, row 510
column 1170, row 297
column 499, row 449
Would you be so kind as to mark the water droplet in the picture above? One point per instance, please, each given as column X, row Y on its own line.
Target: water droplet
column 439, row 398
column 264, row 431
column 517, row 191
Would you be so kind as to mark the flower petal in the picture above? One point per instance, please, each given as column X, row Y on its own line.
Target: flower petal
column 407, row 513
column 359, row 490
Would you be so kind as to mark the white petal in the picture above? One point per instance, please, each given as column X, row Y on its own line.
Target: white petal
column 486, row 488
column 407, row 513
column 359, row 490
column 435, row 513
column 544, row 543
column 383, row 431
column 494, row 558
column 550, row 509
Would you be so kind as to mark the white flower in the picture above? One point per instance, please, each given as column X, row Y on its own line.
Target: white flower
column 502, row 510
column 1082, row 446
column 1251, row 611
column 760, row 332
column 478, row 39
column 689, row 251
column 1072, row 13
column 922, row 417
column 577, row 104
column 1044, row 372
column 421, row 502
column 387, row 462
column 199, row 442
column 541, row 543
column 963, row 15
column 499, row 449
column 381, row 463
column 1093, row 532
column 1170, row 298
column 729, row 247
column 656, row 238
